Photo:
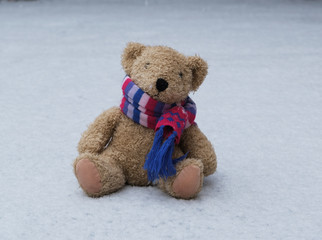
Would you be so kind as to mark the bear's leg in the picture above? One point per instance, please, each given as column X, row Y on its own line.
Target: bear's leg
column 98, row 176
column 187, row 182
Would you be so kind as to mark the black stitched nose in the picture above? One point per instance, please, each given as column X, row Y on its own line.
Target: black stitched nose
column 161, row 84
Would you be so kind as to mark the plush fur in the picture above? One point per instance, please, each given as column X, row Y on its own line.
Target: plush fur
column 112, row 150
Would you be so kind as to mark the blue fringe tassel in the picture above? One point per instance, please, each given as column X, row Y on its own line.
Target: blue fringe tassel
column 159, row 161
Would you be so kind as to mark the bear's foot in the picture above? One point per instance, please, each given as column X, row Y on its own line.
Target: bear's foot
column 187, row 183
column 98, row 176
column 88, row 177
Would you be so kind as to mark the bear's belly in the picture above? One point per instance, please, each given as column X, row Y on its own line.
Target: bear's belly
column 132, row 140
column 131, row 143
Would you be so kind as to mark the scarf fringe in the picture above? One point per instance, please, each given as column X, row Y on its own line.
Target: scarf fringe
column 159, row 162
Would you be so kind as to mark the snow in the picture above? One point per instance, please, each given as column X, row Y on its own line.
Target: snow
column 260, row 106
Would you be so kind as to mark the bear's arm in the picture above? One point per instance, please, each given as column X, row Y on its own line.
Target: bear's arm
column 198, row 146
column 95, row 138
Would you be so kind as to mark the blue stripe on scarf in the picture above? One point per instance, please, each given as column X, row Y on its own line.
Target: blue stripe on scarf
column 136, row 100
column 158, row 109
column 129, row 87
column 137, row 97
column 190, row 106
column 126, row 107
column 136, row 115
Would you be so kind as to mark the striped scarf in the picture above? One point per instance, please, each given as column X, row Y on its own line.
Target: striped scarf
column 168, row 121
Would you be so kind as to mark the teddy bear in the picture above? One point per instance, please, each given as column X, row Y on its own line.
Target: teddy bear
column 151, row 138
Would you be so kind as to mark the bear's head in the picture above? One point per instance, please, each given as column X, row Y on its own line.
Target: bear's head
column 163, row 73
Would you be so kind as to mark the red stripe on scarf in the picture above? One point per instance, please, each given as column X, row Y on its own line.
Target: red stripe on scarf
column 152, row 121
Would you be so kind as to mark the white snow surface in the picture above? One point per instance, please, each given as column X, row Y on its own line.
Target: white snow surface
column 260, row 106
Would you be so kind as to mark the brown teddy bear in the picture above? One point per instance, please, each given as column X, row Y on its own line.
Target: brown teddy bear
column 152, row 137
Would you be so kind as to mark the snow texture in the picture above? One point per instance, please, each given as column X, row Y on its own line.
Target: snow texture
column 260, row 106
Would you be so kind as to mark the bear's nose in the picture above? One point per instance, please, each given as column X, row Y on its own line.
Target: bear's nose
column 161, row 84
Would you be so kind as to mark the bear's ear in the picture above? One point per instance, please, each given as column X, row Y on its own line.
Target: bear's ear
column 199, row 68
column 130, row 53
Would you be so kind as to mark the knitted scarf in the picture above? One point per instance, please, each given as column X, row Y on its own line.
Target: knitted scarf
column 168, row 121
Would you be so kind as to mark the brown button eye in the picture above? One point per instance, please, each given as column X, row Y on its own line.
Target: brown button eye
column 180, row 74
column 146, row 65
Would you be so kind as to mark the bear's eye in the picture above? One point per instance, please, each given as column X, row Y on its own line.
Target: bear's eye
column 146, row 65
column 180, row 75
